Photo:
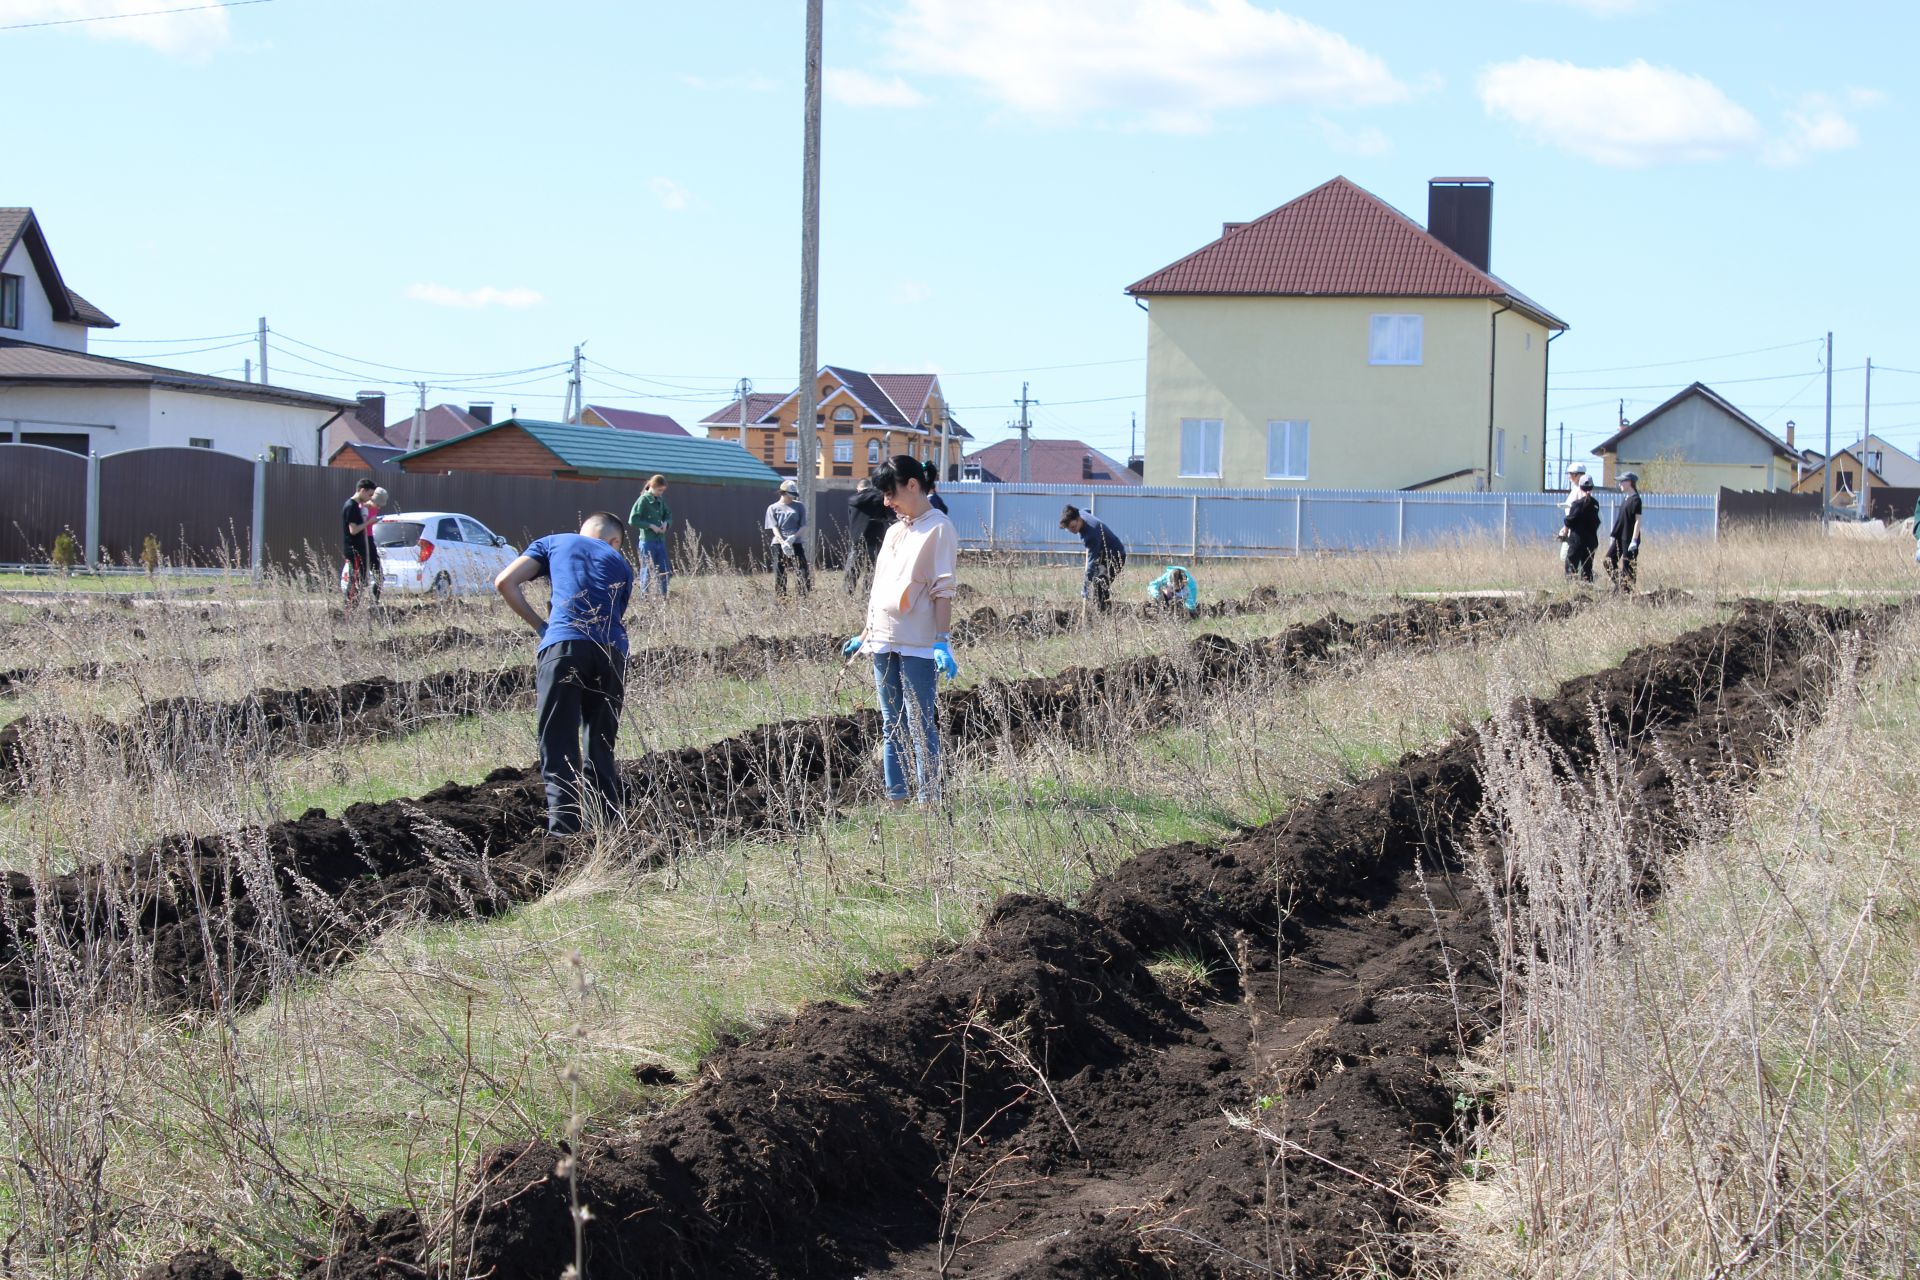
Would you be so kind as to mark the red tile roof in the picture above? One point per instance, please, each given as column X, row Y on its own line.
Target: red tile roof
column 1336, row 240
column 658, row 424
column 908, row 391
column 444, row 422
column 1049, row 462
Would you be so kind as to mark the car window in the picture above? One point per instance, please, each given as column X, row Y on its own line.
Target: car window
column 476, row 532
column 449, row 530
column 397, row 533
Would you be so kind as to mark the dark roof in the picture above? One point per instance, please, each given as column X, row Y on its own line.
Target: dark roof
column 759, row 404
column 634, row 420
column 68, row 306
column 29, row 363
column 381, row 456
column 1337, row 240
column 596, row 451
column 1780, row 447
column 1049, row 462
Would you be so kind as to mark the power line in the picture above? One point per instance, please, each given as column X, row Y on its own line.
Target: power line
column 1668, row 364
column 168, row 355
column 431, row 373
column 170, row 342
column 111, row 17
column 1719, row 382
column 1043, row 368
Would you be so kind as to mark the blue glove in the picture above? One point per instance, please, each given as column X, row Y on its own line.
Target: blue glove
column 851, row 647
column 943, row 661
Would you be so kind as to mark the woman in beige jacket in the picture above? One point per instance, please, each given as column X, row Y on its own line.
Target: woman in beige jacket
column 907, row 631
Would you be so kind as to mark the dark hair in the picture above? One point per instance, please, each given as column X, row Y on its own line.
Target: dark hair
column 1068, row 514
column 366, row 483
column 899, row 469
column 619, row 525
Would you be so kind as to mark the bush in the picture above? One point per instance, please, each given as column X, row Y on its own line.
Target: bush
column 150, row 555
column 66, row 552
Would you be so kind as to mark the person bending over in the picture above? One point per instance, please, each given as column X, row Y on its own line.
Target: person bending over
column 1175, row 591
column 582, row 660
column 1106, row 555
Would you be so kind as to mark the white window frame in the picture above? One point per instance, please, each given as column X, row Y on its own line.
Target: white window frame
column 793, row 451
column 843, row 451
column 1296, row 434
column 199, row 442
column 1500, row 453
column 1212, row 432
column 1396, row 338
column 873, row 453
column 845, row 413
column 13, row 302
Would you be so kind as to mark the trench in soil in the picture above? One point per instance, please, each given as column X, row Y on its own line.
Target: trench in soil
column 1038, row 1104
column 188, row 731
column 213, row 922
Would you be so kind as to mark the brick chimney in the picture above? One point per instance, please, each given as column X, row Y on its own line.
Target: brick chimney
column 1460, row 216
column 1789, row 433
column 1138, row 465
column 483, row 411
column 371, row 410
column 1086, row 466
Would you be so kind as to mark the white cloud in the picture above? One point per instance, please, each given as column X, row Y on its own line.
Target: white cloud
column 861, row 89
column 1818, row 122
column 193, row 34
column 441, row 295
column 670, row 194
column 912, row 293
column 1165, row 64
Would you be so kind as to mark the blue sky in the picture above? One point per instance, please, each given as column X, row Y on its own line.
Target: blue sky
column 1702, row 189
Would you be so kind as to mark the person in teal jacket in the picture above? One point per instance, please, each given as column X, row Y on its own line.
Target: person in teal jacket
column 1175, row 589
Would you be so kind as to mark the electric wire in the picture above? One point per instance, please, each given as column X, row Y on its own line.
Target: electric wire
column 431, row 373
column 170, row 342
column 113, row 17
column 1668, row 364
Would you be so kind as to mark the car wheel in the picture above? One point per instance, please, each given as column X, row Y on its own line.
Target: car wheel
column 443, row 586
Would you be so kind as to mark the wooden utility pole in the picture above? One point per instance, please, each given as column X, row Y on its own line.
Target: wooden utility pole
column 810, row 278
column 263, row 351
column 1826, row 484
column 1866, row 445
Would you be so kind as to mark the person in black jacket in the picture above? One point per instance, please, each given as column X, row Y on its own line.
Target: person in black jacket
column 867, row 519
column 1623, row 556
column 1106, row 555
column 1583, row 531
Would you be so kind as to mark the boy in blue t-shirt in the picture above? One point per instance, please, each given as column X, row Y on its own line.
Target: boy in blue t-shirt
column 582, row 659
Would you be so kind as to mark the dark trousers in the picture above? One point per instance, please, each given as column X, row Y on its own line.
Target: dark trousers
column 581, row 685
column 777, row 561
column 1099, row 586
column 860, row 558
column 1622, row 566
column 1580, row 559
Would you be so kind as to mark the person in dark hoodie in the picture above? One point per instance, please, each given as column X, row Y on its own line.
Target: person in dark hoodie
column 1106, row 555
column 1623, row 556
column 1583, row 531
column 867, row 519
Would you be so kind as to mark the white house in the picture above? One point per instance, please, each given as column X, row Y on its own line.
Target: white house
column 54, row 392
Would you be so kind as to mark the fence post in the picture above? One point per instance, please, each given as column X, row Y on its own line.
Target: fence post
column 993, row 517
column 93, row 511
column 1195, row 526
column 1506, row 520
column 1716, row 515
column 1299, row 499
column 1400, row 528
column 257, row 536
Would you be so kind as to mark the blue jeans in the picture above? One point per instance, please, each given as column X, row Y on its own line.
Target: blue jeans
column 654, row 562
column 908, row 724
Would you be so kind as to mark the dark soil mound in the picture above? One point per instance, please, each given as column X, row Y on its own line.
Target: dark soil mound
column 219, row 919
column 192, row 1265
column 1035, row 1104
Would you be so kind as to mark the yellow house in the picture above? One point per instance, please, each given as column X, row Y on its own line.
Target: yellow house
column 1697, row 441
column 862, row 420
column 1335, row 343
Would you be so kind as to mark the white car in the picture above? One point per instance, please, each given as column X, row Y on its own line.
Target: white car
column 443, row 552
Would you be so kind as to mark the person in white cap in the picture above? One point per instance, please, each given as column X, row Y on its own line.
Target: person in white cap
column 1576, row 472
column 785, row 519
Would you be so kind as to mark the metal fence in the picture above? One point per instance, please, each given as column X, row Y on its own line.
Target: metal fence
column 207, row 508
column 1164, row 521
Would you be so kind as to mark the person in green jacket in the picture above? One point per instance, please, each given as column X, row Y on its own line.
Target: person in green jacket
column 650, row 519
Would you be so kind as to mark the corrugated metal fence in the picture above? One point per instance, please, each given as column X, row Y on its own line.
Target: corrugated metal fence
column 203, row 507
column 1167, row 521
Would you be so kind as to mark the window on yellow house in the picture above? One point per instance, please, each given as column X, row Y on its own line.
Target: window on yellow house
column 1200, row 447
column 1286, row 449
column 1394, row 339
column 844, row 414
column 843, row 451
column 793, row 451
column 873, row 453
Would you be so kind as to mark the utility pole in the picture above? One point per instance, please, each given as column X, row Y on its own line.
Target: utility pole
column 809, row 386
column 1866, row 444
column 576, row 397
column 1026, row 441
column 417, row 431
column 1563, row 457
column 263, row 350
column 246, row 367
column 743, row 392
column 1826, row 484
